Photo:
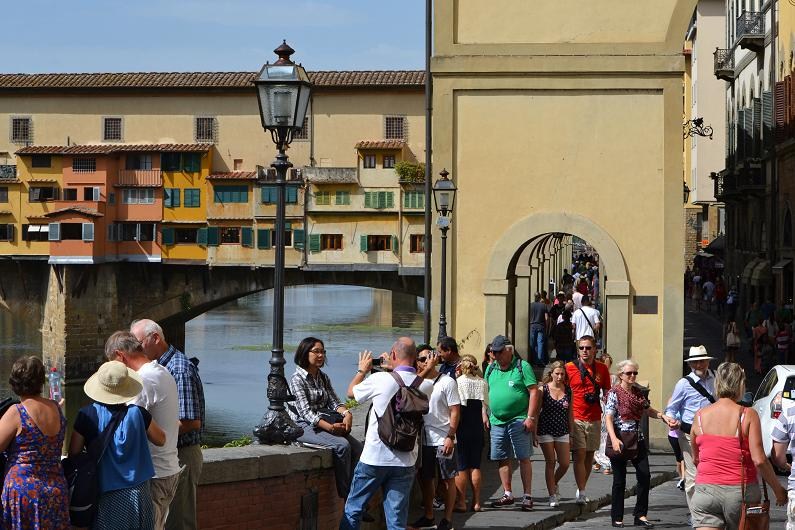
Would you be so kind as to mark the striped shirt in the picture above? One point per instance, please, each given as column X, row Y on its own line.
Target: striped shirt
column 311, row 395
column 189, row 390
column 784, row 432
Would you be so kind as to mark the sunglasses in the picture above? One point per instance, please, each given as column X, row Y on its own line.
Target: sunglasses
column 586, row 348
column 318, row 352
column 630, row 373
column 422, row 359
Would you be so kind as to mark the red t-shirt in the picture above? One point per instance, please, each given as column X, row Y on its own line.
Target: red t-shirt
column 580, row 386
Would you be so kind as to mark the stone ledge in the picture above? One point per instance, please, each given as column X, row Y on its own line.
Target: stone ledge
column 252, row 462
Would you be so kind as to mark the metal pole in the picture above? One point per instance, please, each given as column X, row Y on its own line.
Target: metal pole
column 443, row 293
column 426, row 292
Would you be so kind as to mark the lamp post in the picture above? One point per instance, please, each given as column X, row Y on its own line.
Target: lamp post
column 444, row 198
column 283, row 90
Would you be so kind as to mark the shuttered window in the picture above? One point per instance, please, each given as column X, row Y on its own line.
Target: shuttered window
column 379, row 199
column 269, row 195
column 192, row 198
column 263, row 238
column 247, row 237
column 298, row 239
column 171, row 197
column 291, row 195
column 414, row 199
column 167, row 236
column 323, row 198
column 230, row 194
column 342, row 198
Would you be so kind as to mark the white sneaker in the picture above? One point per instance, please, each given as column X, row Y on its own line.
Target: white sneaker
column 554, row 500
column 581, row 498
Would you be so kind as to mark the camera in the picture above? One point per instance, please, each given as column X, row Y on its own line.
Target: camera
column 377, row 361
column 591, row 398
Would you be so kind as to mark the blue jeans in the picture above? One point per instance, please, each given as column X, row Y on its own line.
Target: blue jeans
column 396, row 483
column 538, row 344
column 511, row 440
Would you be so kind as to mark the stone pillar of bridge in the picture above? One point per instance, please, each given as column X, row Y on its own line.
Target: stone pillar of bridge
column 521, row 329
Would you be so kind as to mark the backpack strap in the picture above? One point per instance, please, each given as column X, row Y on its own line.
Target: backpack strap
column 588, row 320
column 98, row 445
column 398, row 379
column 435, row 380
column 700, row 389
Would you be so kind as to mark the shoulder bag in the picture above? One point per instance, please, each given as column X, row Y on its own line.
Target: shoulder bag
column 753, row 516
column 629, row 443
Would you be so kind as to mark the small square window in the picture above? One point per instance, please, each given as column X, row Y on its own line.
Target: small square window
column 111, row 130
column 4, row 194
column 389, row 161
column 417, row 243
column 205, row 129
column 238, row 164
column 368, row 162
column 21, row 130
column 395, row 127
column 41, row 161
column 230, row 235
column 84, row 165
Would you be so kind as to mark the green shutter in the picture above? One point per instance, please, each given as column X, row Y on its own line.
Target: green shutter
column 175, row 197
column 263, row 238
column 213, row 236
column 167, row 236
column 292, row 195
column 247, row 239
column 363, row 243
column 381, row 199
column 407, row 200
column 191, row 162
column 368, row 199
column 298, row 239
column 201, row 236
column 390, row 199
column 268, row 194
column 420, row 199
column 314, row 242
column 395, row 244
column 342, row 198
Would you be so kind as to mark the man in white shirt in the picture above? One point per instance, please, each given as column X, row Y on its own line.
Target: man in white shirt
column 381, row 467
column 159, row 397
column 586, row 320
column 438, row 450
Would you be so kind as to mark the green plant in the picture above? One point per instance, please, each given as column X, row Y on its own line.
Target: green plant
column 239, row 442
column 351, row 404
column 410, row 172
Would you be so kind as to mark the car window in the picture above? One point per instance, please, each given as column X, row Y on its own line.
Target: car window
column 767, row 385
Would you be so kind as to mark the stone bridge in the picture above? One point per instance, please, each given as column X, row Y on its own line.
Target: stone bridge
column 80, row 305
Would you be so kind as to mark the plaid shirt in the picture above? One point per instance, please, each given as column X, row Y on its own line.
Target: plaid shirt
column 189, row 390
column 311, row 394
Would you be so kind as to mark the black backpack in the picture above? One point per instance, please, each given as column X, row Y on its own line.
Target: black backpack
column 82, row 475
column 402, row 422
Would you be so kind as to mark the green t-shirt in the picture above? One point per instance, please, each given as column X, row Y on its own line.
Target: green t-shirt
column 508, row 396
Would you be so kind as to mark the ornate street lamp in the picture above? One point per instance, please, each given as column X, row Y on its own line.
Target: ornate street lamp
column 686, row 192
column 283, row 90
column 696, row 127
column 444, row 198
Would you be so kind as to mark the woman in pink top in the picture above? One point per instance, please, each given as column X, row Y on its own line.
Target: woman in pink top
column 725, row 434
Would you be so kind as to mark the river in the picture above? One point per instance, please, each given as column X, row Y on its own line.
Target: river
column 233, row 342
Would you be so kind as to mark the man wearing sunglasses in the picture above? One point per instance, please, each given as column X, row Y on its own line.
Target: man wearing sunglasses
column 587, row 377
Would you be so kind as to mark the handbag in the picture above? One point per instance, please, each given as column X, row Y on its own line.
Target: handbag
column 81, row 475
column 629, row 446
column 330, row 416
column 732, row 340
column 753, row 515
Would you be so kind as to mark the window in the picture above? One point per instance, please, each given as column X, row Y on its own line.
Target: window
column 91, row 193
column 342, row 198
column 21, row 130
column 291, row 194
column 395, row 127
column 331, row 242
column 42, row 194
column 238, row 164
column 192, row 198
column 205, row 127
column 170, row 162
column 171, row 197
column 185, row 235
column 230, row 194
column 84, row 165
column 417, row 243
column 303, row 132
column 288, row 238
column 414, row 199
column 136, row 161
column 131, row 232
column 376, row 243
column 71, row 231
column 189, row 162
column 379, row 199
column 6, row 232
column 138, row 196
column 111, row 198
column 41, row 161
column 271, row 193
column 111, row 129
column 230, row 235
column 323, row 198
column 35, row 232
column 4, row 194
column 368, row 162
column 389, row 161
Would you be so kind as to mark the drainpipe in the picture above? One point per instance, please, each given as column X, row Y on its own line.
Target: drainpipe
column 428, row 172
column 311, row 131
column 772, row 233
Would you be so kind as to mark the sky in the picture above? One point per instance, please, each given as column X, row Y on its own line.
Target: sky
column 209, row 35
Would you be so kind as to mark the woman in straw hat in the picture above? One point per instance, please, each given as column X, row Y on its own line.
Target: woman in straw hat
column 126, row 465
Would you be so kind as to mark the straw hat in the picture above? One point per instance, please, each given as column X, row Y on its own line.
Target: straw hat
column 698, row 353
column 113, row 384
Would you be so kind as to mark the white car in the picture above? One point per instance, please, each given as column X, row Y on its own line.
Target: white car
column 775, row 392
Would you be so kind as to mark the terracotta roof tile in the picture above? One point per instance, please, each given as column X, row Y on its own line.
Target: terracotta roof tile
column 199, row 80
column 381, row 144
column 233, row 175
column 79, row 209
column 103, row 149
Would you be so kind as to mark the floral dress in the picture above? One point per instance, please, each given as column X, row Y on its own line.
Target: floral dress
column 35, row 493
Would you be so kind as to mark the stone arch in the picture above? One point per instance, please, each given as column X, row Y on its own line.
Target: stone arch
column 510, row 246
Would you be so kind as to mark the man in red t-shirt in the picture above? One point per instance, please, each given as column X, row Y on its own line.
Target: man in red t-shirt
column 587, row 377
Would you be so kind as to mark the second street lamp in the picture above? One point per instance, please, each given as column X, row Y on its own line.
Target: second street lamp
column 283, row 90
column 444, row 198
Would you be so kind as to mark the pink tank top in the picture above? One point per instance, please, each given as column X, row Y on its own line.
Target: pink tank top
column 719, row 460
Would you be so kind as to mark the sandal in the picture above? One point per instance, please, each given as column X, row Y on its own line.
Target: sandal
column 597, row 467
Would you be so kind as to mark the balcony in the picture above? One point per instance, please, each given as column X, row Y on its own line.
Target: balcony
column 751, row 179
column 8, row 172
column 724, row 64
column 140, row 178
column 725, row 185
column 751, row 30
column 331, row 175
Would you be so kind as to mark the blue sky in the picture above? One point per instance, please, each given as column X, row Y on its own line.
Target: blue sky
column 209, row 35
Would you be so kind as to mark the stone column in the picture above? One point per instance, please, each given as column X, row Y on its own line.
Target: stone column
column 522, row 309
column 496, row 293
column 617, row 302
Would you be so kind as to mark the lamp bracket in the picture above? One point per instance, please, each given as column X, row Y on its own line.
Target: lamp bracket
column 443, row 222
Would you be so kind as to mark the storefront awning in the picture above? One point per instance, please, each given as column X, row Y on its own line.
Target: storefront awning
column 779, row 267
column 762, row 274
column 749, row 270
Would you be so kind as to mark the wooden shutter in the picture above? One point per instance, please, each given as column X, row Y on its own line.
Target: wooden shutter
column 788, row 118
column 54, row 233
column 368, row 199
column 780, row 110
column 292, row 194
column 167, row 236
column 756, row 137
column 314, row 242
column 247, row 237
column 395, row 244
column 363, row 243
column 390, row 199
column 88, row 231
column 741, row 134
column 11, row 232
column 298, row 239
column 201, row 236
column 263, row 238
column 213, row 236
column 767, row 118
column 382, row 199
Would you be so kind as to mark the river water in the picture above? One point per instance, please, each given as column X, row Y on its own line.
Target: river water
column 233, row 345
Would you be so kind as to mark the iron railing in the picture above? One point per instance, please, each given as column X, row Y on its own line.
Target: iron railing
column 140, row 177
column 750, row 24
column 724, row 63
column 8, row 171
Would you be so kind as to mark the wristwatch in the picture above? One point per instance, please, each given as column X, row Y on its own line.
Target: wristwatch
column 451, row 436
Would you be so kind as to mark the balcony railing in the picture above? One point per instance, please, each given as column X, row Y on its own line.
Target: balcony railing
column 751, row 30
column 140, row 177
column 8, row 172
column 751, row 179
column 724, row 64
column 725, row 186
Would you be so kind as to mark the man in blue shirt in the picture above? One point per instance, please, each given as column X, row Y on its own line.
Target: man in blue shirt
column 182, row 514
column 691, row 393
column 784, row 442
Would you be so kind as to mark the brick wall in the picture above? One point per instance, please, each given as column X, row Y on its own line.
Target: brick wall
column 691, row 234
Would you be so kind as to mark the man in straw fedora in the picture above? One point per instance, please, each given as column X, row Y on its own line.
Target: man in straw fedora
column 691, row 393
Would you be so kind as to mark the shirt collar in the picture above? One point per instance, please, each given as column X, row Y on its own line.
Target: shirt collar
column 300, row 371
column 167, row 356
column 404, row 368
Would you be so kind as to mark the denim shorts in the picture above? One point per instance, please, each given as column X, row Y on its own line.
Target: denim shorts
column 510, row 440
column 432, row 461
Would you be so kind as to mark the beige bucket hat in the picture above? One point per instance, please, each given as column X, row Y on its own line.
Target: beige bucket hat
column 698, row 353
column 113, row 384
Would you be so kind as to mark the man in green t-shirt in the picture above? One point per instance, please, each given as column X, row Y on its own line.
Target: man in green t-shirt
column 513, row 402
